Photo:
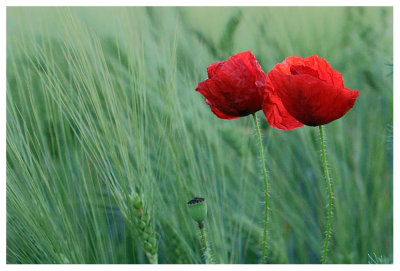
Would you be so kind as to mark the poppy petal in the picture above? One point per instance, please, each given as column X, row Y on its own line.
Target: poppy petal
column 212, row 68
column 325, row 70
column 235, row 87
column 220, row 114
column 301, row 69
column 310, row 100
column 277, row 115
column 214, row 99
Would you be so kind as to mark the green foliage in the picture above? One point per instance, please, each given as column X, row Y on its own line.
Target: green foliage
column 374, row 259
column 101, row 105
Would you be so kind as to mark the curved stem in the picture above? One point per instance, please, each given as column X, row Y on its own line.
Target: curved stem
column 330, row 204
column 266, row 199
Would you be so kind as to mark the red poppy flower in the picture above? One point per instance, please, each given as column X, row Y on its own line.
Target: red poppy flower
column 235, row 87
column 309, row 89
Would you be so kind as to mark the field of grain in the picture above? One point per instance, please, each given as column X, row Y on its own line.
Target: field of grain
column 102, row 109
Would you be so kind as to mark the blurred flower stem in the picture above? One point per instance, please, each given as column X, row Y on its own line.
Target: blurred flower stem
column 330, row 204
column 266, row 199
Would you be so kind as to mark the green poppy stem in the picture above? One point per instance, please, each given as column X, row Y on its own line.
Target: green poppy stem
column 330, row 204
column 206, row 253
column 203, row 236
column 266, row 199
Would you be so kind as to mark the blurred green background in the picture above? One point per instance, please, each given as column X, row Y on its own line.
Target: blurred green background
column 101, row 105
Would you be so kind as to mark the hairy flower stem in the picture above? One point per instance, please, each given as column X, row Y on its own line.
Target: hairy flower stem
column 330, row 204
column 266, row 199
column 207, row 256
column 203, row 236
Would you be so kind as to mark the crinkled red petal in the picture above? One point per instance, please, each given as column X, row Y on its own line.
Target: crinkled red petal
column 310, row 100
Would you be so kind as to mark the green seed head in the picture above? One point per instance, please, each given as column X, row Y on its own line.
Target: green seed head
column 145, row 217
column 137, row 203
column 142, row 224
column 144, row 235
column 147, row 246
column 153, row 241
column 198, row 209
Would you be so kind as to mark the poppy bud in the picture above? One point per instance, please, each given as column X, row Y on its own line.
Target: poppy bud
column 198, row 209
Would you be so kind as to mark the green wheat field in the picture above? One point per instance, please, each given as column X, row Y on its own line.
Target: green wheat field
column 102, row 109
